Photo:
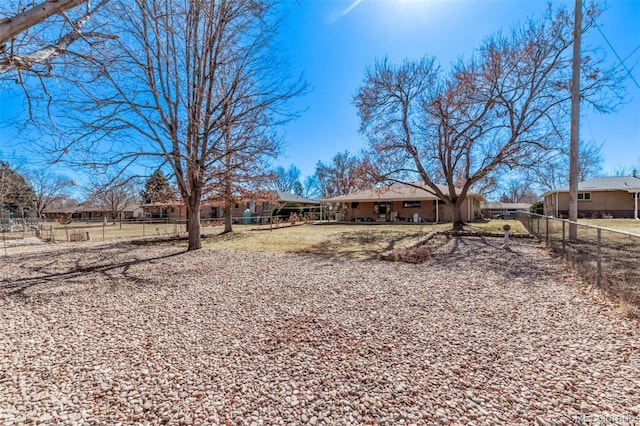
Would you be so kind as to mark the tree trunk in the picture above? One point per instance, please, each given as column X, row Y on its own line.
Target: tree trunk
column 227, row 217
column 193, row 224
column 228, row 200
column 458, row 223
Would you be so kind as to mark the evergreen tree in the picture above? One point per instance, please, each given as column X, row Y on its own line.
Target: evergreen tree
column 15, row 193
column 157, row 189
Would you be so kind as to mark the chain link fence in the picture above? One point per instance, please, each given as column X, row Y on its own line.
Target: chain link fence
column 30, row 231
column 608, row 258
column 16, row 230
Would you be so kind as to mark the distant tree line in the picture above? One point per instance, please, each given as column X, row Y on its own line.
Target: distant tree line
column 197, row 90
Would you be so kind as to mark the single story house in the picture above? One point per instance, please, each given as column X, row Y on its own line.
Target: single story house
column 92, row 213
column 261, row 207
column 400, row 202
column 494, row 209
column 603, row 197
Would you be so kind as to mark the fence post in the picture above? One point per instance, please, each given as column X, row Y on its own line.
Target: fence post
column 599, row 272
column 564, row 226
column 547, row 230
column 531, row 223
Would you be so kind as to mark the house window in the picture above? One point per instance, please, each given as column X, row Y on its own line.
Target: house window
column 584, row 196
column 380, row 208
column 237, row 205
column 636, row 195
column 355, row 205
column 411, row 204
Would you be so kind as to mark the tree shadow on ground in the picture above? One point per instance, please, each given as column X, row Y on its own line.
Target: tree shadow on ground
column 106, row 262
column 490, row 252
column 360, row 246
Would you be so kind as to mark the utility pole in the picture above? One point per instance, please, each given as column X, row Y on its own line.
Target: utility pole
column 575, row 123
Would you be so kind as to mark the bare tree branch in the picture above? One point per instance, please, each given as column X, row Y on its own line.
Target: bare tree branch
column 12, row 26
column 501, row 110
column 12, row 61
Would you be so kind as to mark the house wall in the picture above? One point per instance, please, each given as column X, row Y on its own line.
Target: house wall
column 176, row 212
column 618, row 204
column 383, row 211
column 261, row 211
column 366, row 211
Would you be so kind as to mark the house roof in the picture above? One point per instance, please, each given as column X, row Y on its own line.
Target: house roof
column 609, row 183
column 287, row 197
column 395, row 192
column 278, row 196
column 492, row 205
column 87, row 208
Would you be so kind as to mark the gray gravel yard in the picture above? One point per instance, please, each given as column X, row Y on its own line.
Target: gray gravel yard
column 106, row 333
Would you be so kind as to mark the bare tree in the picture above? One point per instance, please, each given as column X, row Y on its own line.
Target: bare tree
column 25, row 34
column 343, row 175
column 518, row 191
column 177, row 88
column 287, row 180
column 502, row 109
column 63, row 201
column 114, row 197
column 553, row 171
column 241, row 170
column 47, row 188
column 13, row 25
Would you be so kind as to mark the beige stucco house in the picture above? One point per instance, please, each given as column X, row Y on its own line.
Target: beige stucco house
column 261, row 208
column 401, row 202
column 92, row 213
column 604, row 197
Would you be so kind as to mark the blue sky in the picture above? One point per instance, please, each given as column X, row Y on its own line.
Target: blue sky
column 333, row 41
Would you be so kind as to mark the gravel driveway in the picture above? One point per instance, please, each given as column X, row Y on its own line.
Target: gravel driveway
column 108, row 333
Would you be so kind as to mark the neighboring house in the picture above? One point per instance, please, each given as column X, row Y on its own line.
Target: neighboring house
column 170, row 210
column 176, row 210
column 604, row 197
column 214, row 210
column 400, row 202
column 272, row 201
column 91, row 213
column 494, row 209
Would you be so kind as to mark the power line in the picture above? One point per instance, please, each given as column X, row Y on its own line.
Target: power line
column 618, row 56
column 632, row 52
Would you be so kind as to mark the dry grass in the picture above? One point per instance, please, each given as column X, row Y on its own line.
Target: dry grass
column 628, row 309
column 355, row 241
column 352, row 241
column 346, row 241
column 626, row 225
column 496, row 225
column 117, row 231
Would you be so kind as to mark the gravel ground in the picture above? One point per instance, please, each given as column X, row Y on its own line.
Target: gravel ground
column 116, row 333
